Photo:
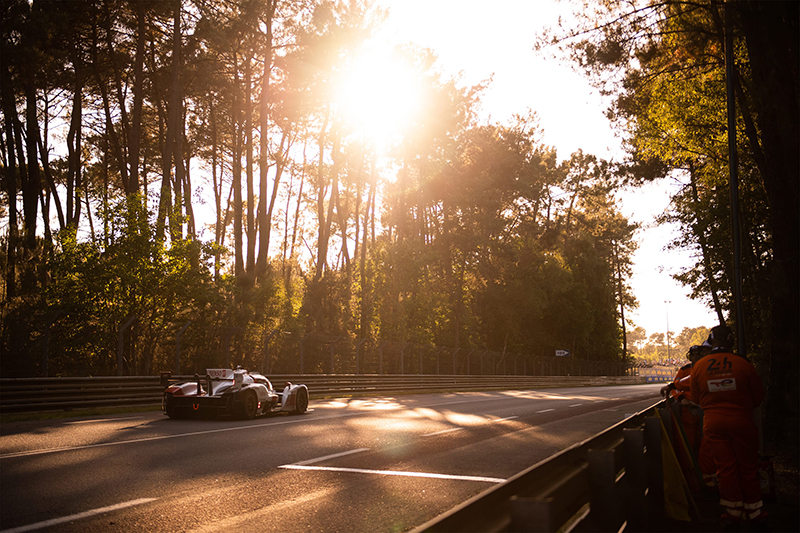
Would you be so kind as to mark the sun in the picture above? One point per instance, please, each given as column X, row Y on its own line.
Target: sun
column 378, row 97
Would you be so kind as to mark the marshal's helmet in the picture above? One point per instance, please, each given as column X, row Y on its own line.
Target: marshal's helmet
column 721, row 336
column 694, row 352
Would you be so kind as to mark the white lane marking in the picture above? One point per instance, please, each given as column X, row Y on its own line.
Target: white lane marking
column 332, row 456
column 576, row 405
column 544, row 411
column 252, row 520
column 101, row 420
column 459, row 429
column 162, row 437
column 442, row 432
column 393, row 473
column 79, row 516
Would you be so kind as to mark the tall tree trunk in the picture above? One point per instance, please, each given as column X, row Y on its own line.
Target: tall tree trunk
column 340, row 214
column 251, row 194
column 51, row 185
column 110, row 130
column 175, row 133
column 772, row 32
column 165, row 195
column 216, row 185
column 265, row 219
column 138, row 95
column 10, row 181
column 237, row 178
column 74, row 144
column 322, row 239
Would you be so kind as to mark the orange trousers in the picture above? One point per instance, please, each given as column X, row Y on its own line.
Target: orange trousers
column 733, row 441
column 692, row 426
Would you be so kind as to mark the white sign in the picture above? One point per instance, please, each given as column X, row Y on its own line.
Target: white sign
column 220, row 373
column 721, row 385
column 562, row 353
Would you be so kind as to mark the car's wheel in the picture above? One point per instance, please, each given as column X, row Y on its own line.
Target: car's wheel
column 249, row 405
column 301, row 402
column 169, row 406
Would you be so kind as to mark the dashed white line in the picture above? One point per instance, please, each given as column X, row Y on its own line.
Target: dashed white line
column 576, row 405
column 79, row 516
column 544, row 411
column 442, row 432
column 101, row 420
column 392, row 473
column 451, row 430
column 162, row 437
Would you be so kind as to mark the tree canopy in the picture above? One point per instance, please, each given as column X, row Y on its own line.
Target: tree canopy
column 662, row 64
column 192, row 183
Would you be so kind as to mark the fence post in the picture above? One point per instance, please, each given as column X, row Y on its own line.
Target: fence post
column 604, row 514
column 358, row 359
column 332, row 344
column 443, row 348
column 380, row 356
column 653, row 465
column 634, row 483
column 302, row 352
column 178, row 347
column 265, row 362
column 402, row 357
column 120, row 342
column 454, row 360
column 46, row 348
column 466, row 373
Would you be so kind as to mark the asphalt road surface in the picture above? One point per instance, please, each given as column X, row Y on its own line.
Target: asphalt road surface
column 350, row 465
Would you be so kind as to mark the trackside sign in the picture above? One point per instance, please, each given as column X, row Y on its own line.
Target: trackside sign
column 562, row 353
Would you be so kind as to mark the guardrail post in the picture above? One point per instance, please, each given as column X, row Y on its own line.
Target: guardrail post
column 604, row 514
column 531, row 514
column 634, row 483
column 654, row 468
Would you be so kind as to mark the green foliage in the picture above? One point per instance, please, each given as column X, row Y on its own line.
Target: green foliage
column 473, row 236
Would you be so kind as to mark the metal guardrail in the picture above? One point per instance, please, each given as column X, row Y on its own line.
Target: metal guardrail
column 43, row 394
column 613, row 479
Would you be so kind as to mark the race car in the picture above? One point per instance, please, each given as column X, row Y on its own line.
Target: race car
column 226, row 392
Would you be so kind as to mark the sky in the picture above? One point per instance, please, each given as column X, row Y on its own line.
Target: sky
column 481, row 40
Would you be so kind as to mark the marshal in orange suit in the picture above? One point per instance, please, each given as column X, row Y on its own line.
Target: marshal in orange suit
column 728, row 388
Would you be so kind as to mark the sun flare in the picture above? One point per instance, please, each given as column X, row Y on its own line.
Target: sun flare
column 378, row 97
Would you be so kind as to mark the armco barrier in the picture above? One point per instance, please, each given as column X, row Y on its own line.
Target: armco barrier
column 47, row 394
column 612, row 480
column 658, row 374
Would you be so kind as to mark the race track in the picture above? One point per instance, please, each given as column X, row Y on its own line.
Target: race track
column 350, row 465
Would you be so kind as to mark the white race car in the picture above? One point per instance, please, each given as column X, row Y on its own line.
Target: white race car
column 226, row 392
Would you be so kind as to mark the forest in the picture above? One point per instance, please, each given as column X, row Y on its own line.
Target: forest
column 454, row 234
column 185, row 184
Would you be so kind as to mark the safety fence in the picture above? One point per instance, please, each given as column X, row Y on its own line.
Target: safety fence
column 42, row 394
column 657, row 374
column 609, row 482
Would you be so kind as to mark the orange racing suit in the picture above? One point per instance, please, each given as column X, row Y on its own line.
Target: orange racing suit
column 691, row 420
column 728, row 388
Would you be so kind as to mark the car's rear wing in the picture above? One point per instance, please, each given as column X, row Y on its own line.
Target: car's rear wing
column 212, row 374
